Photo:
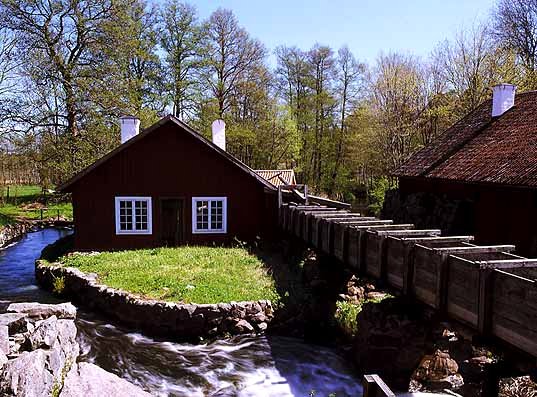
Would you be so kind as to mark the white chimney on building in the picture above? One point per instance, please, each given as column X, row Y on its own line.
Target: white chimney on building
column 219, row 133
column 503, row 98
column 130, row 127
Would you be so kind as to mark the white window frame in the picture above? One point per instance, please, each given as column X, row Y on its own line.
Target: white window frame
column 133, row 199
column 195, row 229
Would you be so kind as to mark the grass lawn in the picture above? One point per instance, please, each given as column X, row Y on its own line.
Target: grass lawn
column 184, row 274
column 26, row 201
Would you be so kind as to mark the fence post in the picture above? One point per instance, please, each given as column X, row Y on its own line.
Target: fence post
column 374, row 386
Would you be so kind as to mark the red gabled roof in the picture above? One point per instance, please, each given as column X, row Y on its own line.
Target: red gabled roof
column 480, row 148
column 218, row 151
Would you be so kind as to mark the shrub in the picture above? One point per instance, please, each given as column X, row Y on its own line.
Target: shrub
column 58, row 285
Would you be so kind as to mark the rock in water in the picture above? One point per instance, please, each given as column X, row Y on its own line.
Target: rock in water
column 89, row 380
column 39, row 311
column 438, row 371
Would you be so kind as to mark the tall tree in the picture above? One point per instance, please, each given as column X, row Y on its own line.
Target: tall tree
column 181, row 39
column 397, row 101
column 350, row 74
column 515, row 26
column 230, row 55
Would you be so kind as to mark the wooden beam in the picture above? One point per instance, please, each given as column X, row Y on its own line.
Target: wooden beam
column 374, row 386
column 507, row 263
column 475, row 249
column 328, row 214
column 442, row 239
column 432, row 233
column 386, row 225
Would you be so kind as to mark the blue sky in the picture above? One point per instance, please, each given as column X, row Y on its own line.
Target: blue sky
column 366, row 26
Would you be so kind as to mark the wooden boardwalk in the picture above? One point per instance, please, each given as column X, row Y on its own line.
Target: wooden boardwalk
column 486, row 287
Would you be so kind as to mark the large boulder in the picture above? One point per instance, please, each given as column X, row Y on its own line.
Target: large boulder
column 27, row 376
column 4, row 339
column 15, row 322
column 89, row 380
column 45, row 334
column 39, row 311
column 437, row 372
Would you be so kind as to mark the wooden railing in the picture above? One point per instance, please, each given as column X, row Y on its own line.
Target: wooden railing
column 486, row 287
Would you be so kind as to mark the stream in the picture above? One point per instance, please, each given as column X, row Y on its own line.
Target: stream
column 237, row 366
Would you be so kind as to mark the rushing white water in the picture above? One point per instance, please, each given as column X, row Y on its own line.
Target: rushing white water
column 241, row 366
column 238, row 366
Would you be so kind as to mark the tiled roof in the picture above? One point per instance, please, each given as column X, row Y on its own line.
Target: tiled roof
column 479, row 148
column 278, row 177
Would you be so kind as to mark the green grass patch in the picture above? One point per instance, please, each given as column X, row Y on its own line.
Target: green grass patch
column 31, row 202
column 346, row 313
column 183, row 274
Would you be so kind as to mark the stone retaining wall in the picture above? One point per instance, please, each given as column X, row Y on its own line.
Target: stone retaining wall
column 181, row 321
column 10, row 233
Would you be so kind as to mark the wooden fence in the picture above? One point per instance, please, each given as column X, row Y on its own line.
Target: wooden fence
column 486, row 287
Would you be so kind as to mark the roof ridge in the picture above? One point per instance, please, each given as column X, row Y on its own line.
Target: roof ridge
column 146, row 132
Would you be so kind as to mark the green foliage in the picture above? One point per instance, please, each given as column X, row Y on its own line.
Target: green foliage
column 58, row 285
column 377, row 193
column 185, row 274
column 346, row 316
column 347, row 312
column 30, row 202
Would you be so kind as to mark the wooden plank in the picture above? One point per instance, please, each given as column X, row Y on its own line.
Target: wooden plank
column 514, row 313
column 353, row 252
column 426, row 280
column 508, row 264
column 374, row 386
column 403, row 233
column 442, row 239
column 476, row 249
column 462, row 300
column 340, row 239
column 396, row 251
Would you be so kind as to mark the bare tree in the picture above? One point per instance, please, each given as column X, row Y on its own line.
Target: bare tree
column 397, row 101
column 231, row 53
column 350, row 75
column 515, row 26
column 466, row 65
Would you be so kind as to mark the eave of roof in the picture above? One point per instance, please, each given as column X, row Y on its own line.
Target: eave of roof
column 66, row 185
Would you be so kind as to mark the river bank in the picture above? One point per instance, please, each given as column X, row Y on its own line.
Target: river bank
column 243, row 365
column 39, row 352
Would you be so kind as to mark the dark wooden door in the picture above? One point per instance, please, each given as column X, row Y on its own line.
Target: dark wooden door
column 171, row 221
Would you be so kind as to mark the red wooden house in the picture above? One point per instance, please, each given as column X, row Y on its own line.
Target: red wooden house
column 168, row 185
column 488, row 161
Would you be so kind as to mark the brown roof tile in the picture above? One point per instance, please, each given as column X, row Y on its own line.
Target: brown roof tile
column 479, row 148
column 278, row 177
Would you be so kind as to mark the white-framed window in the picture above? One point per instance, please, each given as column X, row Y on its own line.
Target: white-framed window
column 209, row 214
column 133, row 215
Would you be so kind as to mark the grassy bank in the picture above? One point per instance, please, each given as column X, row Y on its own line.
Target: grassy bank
column 184, row 274
column 31, row 202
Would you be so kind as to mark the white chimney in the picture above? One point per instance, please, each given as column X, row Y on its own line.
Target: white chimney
column 130, row 127
column 219, row 133
column 503, row 98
